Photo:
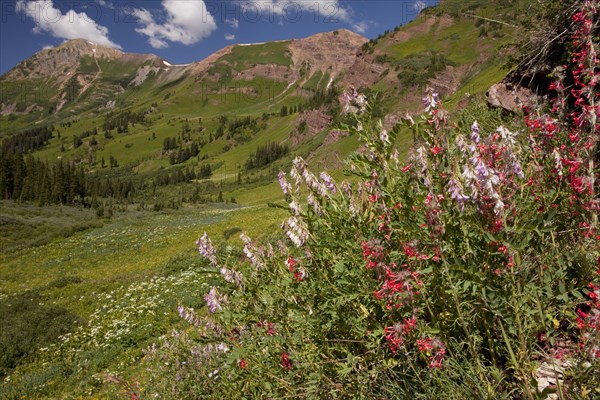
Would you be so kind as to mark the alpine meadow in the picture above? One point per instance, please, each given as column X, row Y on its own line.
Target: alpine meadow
column 411, row 216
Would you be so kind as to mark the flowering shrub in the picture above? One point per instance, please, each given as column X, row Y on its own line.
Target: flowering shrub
column 451, row 275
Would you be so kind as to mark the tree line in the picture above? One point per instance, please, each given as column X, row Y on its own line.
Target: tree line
column 266, row 154
column 121, row 121
column 28, row 141
column 181, row 175
column 26, row 178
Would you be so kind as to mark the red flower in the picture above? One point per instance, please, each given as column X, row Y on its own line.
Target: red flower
column 437, row 359
column 437, row 150
column 298, row 276
column 291, row 263
column 243, row 363
column 409, row 324
column 424, row 344
column 270, row 329
column 285, row 361
column 393, row 335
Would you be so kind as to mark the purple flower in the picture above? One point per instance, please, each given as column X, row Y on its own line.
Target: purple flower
column 475, row 132
column 285, row 186
column 314, row 204
column 231, row 276
column 482, row 171
column 253, row 254
column 354, row 101
column 294, row 228
column 328, row 180
column 295, row 207
column 460, row 143
column 189, row 315
column 516, row 166
column 207, row 250
column 431, row 99
column 214, row 300
column 422, row 159
column 456, row 193
column 557, row 162
column 310, row 179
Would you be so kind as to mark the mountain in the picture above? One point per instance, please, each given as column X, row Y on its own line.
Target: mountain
column 75, row 71
column 80, row 75
column 138, row 117
column 449, row 48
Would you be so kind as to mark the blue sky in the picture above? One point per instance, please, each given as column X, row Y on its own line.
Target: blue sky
column 184, row 31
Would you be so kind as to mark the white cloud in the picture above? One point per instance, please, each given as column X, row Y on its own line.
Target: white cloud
column 325, row 11
column 71, row 25
column 292, row 10
column 233, row 22
column 419, row 5
column 107, row 4
column 229, row 36
column 186, row 22
column 47, row 47
column 361, row 27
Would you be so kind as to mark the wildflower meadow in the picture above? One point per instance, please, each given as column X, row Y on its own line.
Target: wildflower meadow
column 461, row 272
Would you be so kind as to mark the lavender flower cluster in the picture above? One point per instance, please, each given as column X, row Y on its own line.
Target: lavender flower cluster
column 253, row 254
column 215, row 300
column 481, row 179
column 207, row 250
column 295, row 227
column 189, row 315
column 354, row 102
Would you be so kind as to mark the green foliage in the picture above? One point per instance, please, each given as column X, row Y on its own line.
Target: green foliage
column 458, row 273
column 329, row 337
column 72, row 89
column 417, row 69
column 26, row 226
column 28, row 141
column 266, row 154
column 244, row 56
column 315, row 80
column 227, row 233
column 135, row 268
column 87, row 65
column 23, row 317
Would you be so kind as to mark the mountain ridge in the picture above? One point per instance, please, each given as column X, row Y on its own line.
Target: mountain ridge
column 68, row 71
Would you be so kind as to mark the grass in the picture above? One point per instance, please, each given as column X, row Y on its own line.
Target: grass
column 242, row 57
column 80, row 274
column 314, row 81
column 23, row 226
column 107, row 252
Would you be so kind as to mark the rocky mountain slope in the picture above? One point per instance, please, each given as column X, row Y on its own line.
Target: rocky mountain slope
column 80, row 75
